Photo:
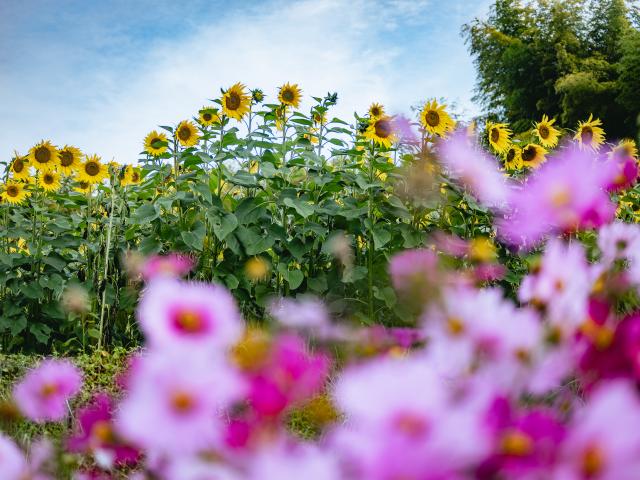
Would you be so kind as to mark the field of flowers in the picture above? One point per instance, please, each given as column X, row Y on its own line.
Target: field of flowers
column 270, row 291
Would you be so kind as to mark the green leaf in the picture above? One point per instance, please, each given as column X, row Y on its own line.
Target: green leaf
column 295, row 277
column 40, row 331
column 145, row 213
column 222, row 227
column 303, row 208
column 380, row 236
column 31, row 290
column 194, row 239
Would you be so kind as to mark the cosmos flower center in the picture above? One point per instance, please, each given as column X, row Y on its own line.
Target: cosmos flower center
column 18, row 165
column 102, row 431
column 411, row 425
column 586, row 134
column 48, row 389
column 543, row 130
column 495, row 135
column 92, row 169
column 432, row 118
column 189, row 321
column 288, row 95
column 232, row 101
column 383, row 128
column 516, row 443
column 48, row 179
column 66, row 158
column 560, row 196
column 42, row 154
column 184, row 133
column 182, row 402
column 592, row 461
column 455, row 326
column 13, row 191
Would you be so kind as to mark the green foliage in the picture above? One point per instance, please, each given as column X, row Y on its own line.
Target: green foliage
column 566, row 59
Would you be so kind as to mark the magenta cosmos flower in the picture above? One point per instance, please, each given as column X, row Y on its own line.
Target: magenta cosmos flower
column 175, row 401
column 475, row 169
column 43, row 393
column 556, row 199
column 191, row 314
column 95, row 433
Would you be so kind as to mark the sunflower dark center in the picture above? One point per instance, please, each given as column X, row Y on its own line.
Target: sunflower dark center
column 383, row 128
column 375, row 111
column 43, row 155
column 92, row 169
column 543, row 131
column 155, row 141
column 511, row 154
column 432, row 118
column 586, row 134
column 84, row 185
column 135, row 176
column 495, row 135
column 233, row 101
column 48, row 179
column 528, row 154
column 12, row 191
column 66, row 158
column 184, row 133
column 288, row 95
column 18, row 165
column 207, row 117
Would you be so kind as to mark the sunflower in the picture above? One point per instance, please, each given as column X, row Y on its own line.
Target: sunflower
column 131, row 176
column 280, row 113
column 70, row 159
column 290, row 95
column 499, row 134
column 208, row 116
column 320, row 118
column 257, row 95
column 513, row 158
column 532, row 155
column 235, row 101
column 155, row 143
column 590, row 134
column 546, row 132
column 376, row 110
column 44, row 156
column 49, row 181
column 626, row 148
column 14, row 192
column 19, row 167
column 92, row 170
column 83, row 187
column 187, row 133
column 435, row 119
column 380, row 130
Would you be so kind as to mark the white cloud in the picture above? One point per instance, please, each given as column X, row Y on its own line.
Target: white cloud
column 332, row 45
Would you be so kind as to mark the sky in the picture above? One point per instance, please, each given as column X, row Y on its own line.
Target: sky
column 101, row 74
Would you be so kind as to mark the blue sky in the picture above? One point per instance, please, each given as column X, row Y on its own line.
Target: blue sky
column 101, row 74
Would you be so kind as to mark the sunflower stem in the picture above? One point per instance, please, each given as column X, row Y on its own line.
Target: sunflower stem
column 107, row 251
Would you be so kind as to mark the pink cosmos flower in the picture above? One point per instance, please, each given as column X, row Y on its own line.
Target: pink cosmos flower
column 292, row 462
column 305, row 312
column 414, row 270
column 475, row 169
column 175, row 401
column 561, row 285
column 43, row 393
column 555, row 199
column 197, row 468
column 96, row 434
column 173, row 265
column 12, row 462
column 603, row 441
column 403, row 128
column 619, row 241
column 624, row 173
column 192, row 314
column 404, row 422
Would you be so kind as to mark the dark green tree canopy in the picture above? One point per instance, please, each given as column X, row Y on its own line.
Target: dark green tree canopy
column 565, row 58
